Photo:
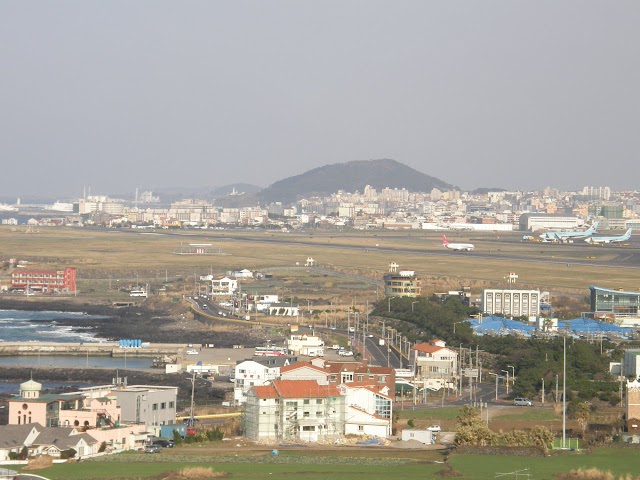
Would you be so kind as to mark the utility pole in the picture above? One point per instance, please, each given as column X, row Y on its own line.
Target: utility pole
column 542, row 391
column 193, row 386
column 564, row 395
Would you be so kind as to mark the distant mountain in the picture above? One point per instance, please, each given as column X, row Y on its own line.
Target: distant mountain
column 351, row 176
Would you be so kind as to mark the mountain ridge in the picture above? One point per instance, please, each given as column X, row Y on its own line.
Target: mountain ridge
column 351, row 176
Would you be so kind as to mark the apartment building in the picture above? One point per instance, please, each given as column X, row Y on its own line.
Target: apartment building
column 44, row 281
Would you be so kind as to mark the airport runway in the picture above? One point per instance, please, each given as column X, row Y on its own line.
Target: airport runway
column 489, row 248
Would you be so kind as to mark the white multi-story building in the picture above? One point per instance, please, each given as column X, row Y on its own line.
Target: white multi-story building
column 305, row 345
column 224, row 286
column 435, row 364
column 249, row 373
column 514, row 303
column 369, row 410
column 367, row 390
column 294, row 410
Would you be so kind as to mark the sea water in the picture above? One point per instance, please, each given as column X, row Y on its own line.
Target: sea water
column 29, row 326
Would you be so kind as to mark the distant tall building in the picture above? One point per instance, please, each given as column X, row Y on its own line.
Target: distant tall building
column 602, row 193
column 370, row 193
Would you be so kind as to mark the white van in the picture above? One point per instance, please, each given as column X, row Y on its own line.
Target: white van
column 522, row 402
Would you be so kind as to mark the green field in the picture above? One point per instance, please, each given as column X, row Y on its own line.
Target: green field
column 370, row 464
column 445, row 413
column 531, row 415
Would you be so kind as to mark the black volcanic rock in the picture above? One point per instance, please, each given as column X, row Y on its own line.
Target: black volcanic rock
column 351, row 176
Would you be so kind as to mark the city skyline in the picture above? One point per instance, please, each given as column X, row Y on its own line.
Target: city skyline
column 161, row 95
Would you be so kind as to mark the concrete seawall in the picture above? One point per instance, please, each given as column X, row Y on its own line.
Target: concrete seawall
column 110, row 349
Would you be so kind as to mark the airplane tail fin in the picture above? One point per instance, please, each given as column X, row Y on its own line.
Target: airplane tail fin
column 444, row 239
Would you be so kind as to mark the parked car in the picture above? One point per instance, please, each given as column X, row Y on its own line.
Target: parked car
column 164, row 443
column 434, row 428
column 522, row 402
column 152, row 448
column 192, row 351
column 346, row 353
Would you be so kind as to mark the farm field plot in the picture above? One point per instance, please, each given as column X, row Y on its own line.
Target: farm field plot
column 319, row 464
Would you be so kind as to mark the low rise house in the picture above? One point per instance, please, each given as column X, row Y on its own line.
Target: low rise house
column 118, row 415
column 244, row 273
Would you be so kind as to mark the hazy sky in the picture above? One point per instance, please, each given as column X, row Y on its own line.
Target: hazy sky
column 115, row 95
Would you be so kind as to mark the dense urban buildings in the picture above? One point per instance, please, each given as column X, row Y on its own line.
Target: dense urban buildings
column 384, row 208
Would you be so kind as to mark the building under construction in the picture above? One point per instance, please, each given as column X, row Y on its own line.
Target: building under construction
column 295, row 410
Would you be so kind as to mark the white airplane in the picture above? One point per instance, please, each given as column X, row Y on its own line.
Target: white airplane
column 565, row 236
column 611, row 239
column 458, row 247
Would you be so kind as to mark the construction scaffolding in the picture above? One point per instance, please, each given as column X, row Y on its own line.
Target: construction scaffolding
column 314, row 418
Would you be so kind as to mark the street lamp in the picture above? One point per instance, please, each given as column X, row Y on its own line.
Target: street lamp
column 390, row 298
column 495, row 375
column 454, row 325
column 513, row 376
column 412, row 304
column 507, row 372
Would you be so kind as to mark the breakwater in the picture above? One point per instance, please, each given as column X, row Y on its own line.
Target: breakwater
column 110, row 349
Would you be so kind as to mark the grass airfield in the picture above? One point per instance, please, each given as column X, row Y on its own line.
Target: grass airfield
column 150, row 256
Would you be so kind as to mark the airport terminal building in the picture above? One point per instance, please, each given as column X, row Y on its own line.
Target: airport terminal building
column 614, row 304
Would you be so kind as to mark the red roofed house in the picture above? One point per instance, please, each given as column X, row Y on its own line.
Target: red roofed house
column 294, row 410
column 435, row 364
column 368, row 390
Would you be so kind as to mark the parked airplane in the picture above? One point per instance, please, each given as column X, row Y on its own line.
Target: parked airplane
column 611, row 239
column 458, row 247
column 566, row 236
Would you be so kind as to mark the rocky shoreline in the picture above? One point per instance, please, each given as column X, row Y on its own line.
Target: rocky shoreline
column 154, row 321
